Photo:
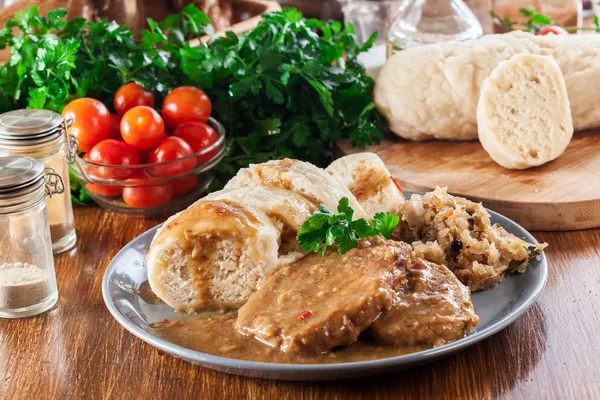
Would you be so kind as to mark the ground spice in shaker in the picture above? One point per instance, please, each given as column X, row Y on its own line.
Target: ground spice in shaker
column 27, row 278
column 22, row 285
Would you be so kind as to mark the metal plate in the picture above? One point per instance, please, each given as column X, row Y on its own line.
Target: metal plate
column 497, row 308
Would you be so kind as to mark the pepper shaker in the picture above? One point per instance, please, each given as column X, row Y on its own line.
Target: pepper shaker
column 42, row 134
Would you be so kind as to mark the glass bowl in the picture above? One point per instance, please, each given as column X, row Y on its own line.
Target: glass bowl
column 156, row 189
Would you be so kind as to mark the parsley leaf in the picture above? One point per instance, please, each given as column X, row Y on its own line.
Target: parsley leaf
column 385, row 223
column 324, row 228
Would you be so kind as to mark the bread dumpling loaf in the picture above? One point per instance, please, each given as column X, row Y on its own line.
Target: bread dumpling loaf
column 301, row 177
column 369, row 180
column 213, row 255
column 432, row 91
column 523, row 114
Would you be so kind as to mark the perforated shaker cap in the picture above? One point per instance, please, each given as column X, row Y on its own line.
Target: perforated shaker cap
column 29, row 126
column 20, row 176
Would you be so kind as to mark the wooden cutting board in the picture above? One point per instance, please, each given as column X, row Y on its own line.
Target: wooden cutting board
column 561, row 195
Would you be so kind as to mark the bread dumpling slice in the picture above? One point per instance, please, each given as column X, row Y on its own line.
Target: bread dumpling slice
column 301, row 177
column 286, row 209
column 369, row 180
column 523, row 113
column 213, row 255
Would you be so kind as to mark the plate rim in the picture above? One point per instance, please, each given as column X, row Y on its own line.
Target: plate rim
column 232, row 364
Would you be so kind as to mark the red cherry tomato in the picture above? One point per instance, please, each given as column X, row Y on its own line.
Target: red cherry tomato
column 115, row 127
column 169, row 149
column 185, row 185
column 112, row 152
column 147, row 196
column 104, row 190
column 132, row 95
column 551, row 29
column 142, row 127
column 91, row 122
column 199, row 136
column 185, row 104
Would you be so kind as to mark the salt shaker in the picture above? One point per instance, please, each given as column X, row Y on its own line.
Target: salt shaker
column 27, row 277
column 43, row 134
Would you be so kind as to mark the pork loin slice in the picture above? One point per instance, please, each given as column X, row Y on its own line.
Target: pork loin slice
column 432, row 307
column 318, row 303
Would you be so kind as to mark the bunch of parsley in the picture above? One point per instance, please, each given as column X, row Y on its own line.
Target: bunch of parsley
column 288, row 88
column 54, row 61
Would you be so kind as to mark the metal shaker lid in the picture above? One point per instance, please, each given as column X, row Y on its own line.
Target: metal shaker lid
column 29, row 126
column 20, row 176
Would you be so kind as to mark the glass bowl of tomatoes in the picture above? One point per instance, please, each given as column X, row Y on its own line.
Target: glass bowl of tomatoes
column 151, row 188
column 142, row 160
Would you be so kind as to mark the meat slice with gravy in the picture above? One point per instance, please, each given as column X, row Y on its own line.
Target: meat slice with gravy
column 318, row 303
column 432, row 307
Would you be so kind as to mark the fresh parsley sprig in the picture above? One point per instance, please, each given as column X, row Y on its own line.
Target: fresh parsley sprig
column 325, row 228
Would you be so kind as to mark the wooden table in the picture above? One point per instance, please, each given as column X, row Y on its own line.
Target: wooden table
column 77, row 350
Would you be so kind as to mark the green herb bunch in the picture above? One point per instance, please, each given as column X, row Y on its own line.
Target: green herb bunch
column 289, row 88
column 325, row 228
column 54, row 61
column 286, row 89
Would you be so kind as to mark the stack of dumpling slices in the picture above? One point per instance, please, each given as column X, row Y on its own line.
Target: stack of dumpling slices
column 217, row 252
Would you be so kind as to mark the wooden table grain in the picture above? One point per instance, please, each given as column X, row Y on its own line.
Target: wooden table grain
column 77, row 350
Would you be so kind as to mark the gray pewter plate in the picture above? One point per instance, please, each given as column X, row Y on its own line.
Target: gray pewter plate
column 497, row 308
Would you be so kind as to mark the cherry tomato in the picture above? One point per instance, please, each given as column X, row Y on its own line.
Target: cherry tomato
column 199, row 136
column 551, row 29
column 104, row 190
column 185, row 185
column 185, row 104
column 147, row 196
column 131, row 95
column 112, row 152
column 115, row 127
column 91, row 122
column 169, row 149
column 142, row 127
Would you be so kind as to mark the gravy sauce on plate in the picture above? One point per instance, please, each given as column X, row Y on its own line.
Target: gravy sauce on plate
column 216, row 335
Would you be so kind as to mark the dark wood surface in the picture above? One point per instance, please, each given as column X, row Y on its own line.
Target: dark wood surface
column 77, row 350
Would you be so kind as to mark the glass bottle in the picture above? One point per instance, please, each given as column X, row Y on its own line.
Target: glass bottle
column 27, row 277
column 369, row 16
column 431, row 21
column 42, row 134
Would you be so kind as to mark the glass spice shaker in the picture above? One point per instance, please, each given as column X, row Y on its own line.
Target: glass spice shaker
column 27, row 277
column 430, row 21
column 43, row 134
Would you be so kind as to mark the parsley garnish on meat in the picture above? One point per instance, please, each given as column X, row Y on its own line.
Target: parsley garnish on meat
column 324, row 228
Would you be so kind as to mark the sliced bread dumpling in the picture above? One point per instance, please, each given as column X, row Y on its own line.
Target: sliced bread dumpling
column 213, row 255
column 523, row 114
column 286, row 209
column 369, row 180
column 301, row 177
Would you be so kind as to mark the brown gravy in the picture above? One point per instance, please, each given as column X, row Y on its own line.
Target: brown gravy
column 216, row 334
